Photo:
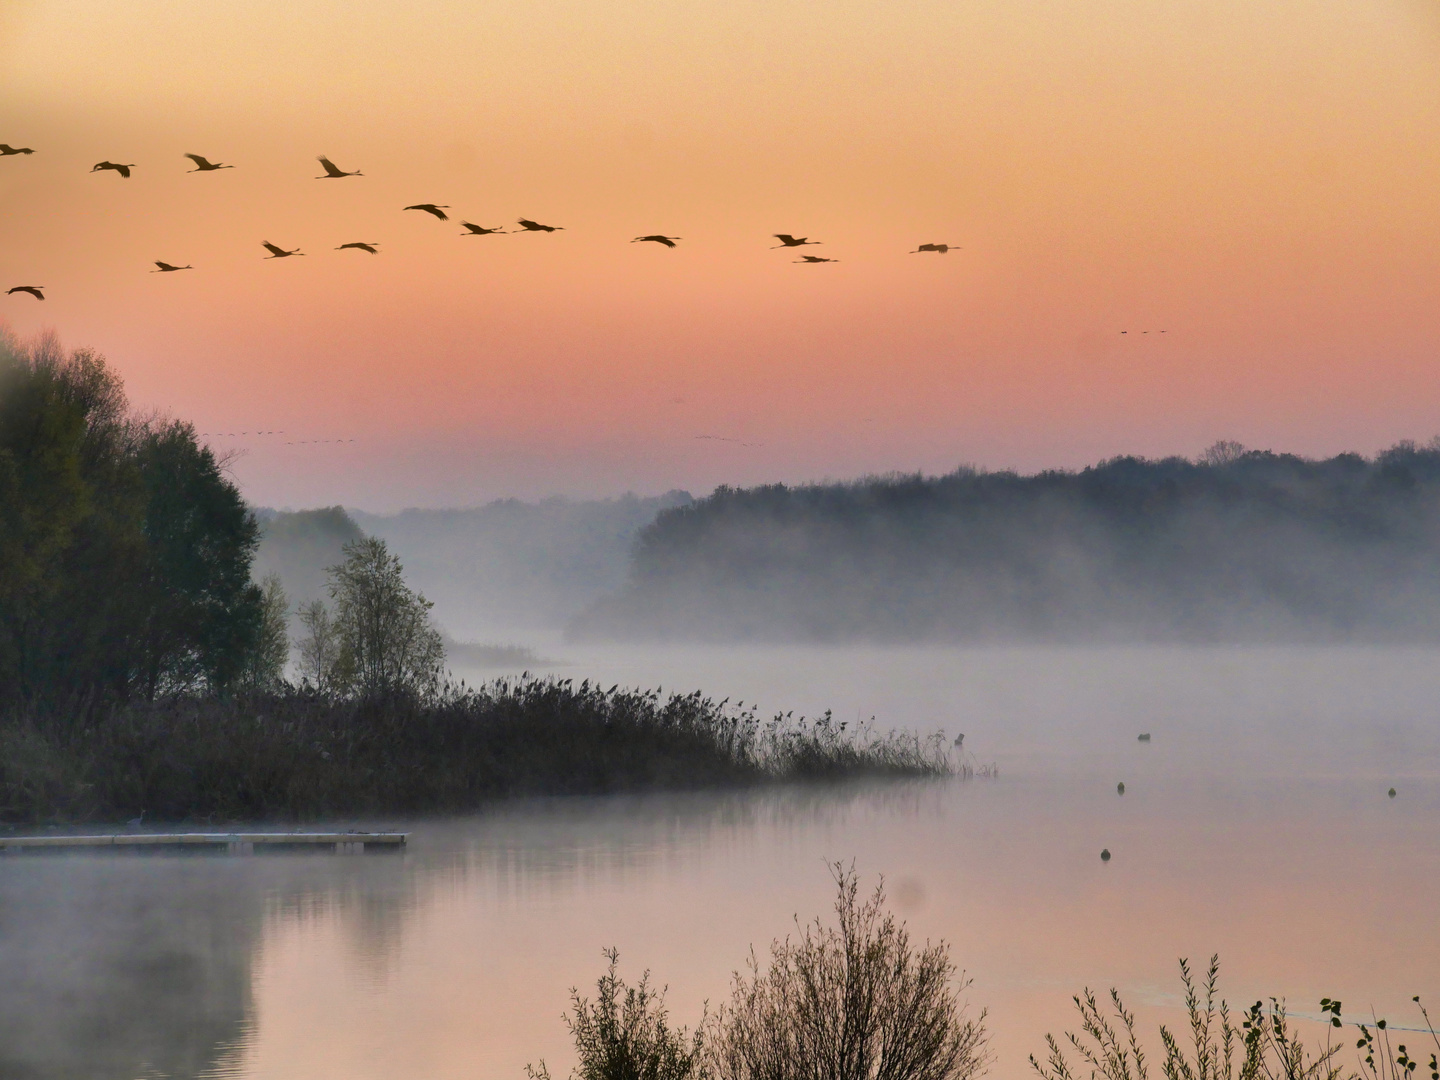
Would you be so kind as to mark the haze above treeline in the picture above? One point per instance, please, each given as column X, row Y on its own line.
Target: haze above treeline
column 1236, row 545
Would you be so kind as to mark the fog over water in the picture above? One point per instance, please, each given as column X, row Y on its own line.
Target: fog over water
column 1255, row 823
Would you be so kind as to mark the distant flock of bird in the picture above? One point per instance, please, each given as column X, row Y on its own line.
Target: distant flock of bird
column 334, row 172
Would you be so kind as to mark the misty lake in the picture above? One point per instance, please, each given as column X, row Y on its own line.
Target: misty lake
column 1255, row 823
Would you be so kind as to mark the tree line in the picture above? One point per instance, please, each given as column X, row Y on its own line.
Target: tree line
column 1237, row 545
column 126, row 554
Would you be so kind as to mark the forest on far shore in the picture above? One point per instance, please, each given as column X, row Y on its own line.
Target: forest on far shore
column 1236, row 546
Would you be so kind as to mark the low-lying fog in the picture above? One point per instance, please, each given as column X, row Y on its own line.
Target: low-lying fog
column 1256, row 823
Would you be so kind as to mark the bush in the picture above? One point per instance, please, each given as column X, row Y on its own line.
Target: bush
column 626, row 1034
column 849, row 1002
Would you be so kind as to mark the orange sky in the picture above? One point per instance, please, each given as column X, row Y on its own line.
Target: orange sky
column 1261, row 178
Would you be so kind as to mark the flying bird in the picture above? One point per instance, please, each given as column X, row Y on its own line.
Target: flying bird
column 535, row 226
column 431, row 208
column 939, row 249
column 279, row 252
column 33, row 290
column 786, row 240
column 814, row 259
column 201, row 165
column 166, row 268
column 478, row 230
column 371, row 248
column 332, row 171
column 6, row 150
column 668, row 241
column 123, row 170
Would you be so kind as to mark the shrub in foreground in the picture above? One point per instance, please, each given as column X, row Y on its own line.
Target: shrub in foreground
column 854, row 1001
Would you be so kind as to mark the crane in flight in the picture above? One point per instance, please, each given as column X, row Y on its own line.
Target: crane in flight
column 938, row 248
column 279, row 252
column 535, row 226
column 431, row 208
column 668, row 241
column 201, row 165
column 167, row 268
column 814, row 259
column 472, row 229
column 786, row 240
column 372, row 248
column 6, row 150
column 333, row 171
column 33, row 290
column 123, row 170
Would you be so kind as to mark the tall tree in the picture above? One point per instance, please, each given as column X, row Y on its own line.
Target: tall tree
column 385, row 627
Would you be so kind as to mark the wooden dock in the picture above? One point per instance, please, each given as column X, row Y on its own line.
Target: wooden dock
column 247, row 843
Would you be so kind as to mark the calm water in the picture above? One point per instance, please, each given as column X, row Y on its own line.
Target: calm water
column 1255, row 824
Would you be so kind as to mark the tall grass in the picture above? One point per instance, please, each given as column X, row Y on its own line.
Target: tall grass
column 298, row 754
column 1266, row 1045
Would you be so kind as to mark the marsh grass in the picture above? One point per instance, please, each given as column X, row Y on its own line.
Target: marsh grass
column 1266, row 1045
column 304, row 755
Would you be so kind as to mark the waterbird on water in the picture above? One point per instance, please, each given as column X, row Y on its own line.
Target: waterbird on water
column 668, row 241
column 535, row 226
column 279, row 252
column 332, row 171
column 1120, row 787
column 103, row 166
column 1105, row 854
column 938, row 248
column 33, row 290
column 471, row 229
column 371, row 248
column 960, row 739
column 166, row 268
column 201, row 165
column 786, row 240
column 1144, row 737
column 6, row 150
column 431, row 208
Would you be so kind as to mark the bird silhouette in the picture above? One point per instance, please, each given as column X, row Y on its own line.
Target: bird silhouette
column 6, row 150
column 123, row 170
column 166, row 268
column 201, row 165
column 332, row 171
column 33, row 290
column 668, row 241
column 535, row 226
column 478, row 230
column 814, row 259
column 371, row 248
column 939, row 249
column 786, row 240
column 431, row 208
column 279, row 252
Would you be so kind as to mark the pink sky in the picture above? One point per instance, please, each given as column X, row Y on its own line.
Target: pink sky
column 1261, row 179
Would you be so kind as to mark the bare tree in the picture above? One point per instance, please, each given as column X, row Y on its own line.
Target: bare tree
column 1222, row 452
column 384, row 626
column 849, row 1002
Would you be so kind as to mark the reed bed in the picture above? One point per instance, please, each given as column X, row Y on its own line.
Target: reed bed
column 296, row 754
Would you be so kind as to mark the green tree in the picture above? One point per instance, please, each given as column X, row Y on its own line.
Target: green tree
column 265, row 663
column 385, row 630
column 124, row 549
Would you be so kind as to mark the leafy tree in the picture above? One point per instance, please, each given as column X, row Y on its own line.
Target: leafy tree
column 385, row 631
column 124, row 549
column 322, row 663
column 266, row 661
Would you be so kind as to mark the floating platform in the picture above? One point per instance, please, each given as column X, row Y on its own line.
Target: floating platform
column 248, row 843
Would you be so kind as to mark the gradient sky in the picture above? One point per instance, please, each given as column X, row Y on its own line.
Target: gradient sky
column 1260, row 178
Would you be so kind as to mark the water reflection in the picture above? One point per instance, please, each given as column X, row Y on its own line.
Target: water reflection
column 454, row 960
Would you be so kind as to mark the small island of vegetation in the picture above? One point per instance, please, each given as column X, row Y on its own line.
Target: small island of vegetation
column 144, row 673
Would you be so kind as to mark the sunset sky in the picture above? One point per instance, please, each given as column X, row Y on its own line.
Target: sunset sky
column 1258, row 178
